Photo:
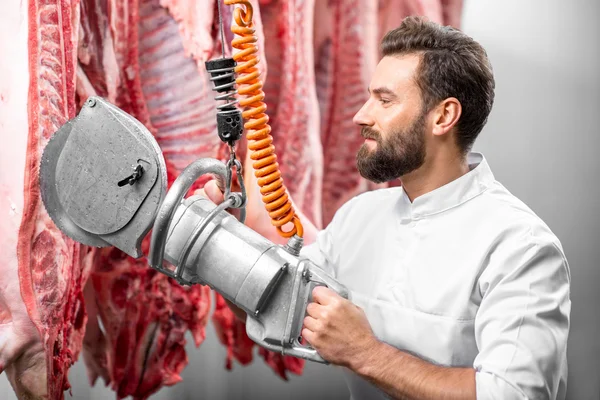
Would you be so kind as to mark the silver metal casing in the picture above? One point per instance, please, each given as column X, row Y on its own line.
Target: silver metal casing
column 271, row 285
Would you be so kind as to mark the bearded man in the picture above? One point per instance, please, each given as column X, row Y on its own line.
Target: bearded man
column 458, row 289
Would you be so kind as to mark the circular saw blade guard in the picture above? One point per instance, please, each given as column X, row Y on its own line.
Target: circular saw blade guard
column 103, row 178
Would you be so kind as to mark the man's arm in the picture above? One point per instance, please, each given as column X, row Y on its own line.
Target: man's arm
column 340, row 332
column 521, row 331
column 404, row 376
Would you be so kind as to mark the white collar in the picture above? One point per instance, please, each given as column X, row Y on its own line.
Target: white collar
column 452, row 194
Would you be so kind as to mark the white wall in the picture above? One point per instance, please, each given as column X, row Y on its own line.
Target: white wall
column 541, row 142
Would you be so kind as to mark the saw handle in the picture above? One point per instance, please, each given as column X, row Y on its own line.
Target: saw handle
column 308, row 277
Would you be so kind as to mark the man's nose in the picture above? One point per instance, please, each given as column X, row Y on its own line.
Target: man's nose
column 362, row 116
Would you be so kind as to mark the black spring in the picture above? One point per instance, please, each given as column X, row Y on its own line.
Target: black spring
column 222, row 74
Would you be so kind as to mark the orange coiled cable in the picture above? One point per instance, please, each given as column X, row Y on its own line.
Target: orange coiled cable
column 260, row 142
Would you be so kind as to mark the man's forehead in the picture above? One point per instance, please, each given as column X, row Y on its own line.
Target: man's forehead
column 395, row 72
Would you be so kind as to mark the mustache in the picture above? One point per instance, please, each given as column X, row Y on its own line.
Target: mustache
column 370, row 133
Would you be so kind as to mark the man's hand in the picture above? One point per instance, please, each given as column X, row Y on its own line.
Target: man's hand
column 341, row 333
column 337, row 328
column 211, row 191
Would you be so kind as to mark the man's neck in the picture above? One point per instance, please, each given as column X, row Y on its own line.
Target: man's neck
column 433, row 174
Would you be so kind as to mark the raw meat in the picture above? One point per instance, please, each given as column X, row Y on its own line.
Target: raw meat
column 53, row 296
column 282, row 364
column 147, row 57
column 345, row 60
column 232, row 333
column 96, row 53
column 196, row 20
column 124, row 18
column 50, row 268
column 452, row 12
column 95, row 345
column 392, row 12
column 20, row 341
column 145, row 316
column 177, row 93
column 291, row 100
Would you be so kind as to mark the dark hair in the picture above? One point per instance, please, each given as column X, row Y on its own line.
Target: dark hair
column 452, row 65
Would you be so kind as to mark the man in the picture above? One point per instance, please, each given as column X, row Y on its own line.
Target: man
column 459, row 291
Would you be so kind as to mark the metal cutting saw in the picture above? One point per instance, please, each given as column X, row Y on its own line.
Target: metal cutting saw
column 103, row 181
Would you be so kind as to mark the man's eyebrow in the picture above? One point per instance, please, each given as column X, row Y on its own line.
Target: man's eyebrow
column 383, row 90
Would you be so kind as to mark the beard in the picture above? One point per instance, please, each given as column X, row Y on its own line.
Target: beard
column 402, row 152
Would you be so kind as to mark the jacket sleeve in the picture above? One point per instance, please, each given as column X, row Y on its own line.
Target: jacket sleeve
column 522, row 325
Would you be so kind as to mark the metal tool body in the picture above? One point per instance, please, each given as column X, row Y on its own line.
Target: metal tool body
column 103, row 182
column 81, row 168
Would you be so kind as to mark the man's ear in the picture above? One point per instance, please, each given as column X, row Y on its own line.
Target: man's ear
column 446, row 115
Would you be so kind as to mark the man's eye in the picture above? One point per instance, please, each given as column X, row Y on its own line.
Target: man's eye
column 384, row 101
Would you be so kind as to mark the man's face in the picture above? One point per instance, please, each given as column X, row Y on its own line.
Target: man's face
column 393, row 122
